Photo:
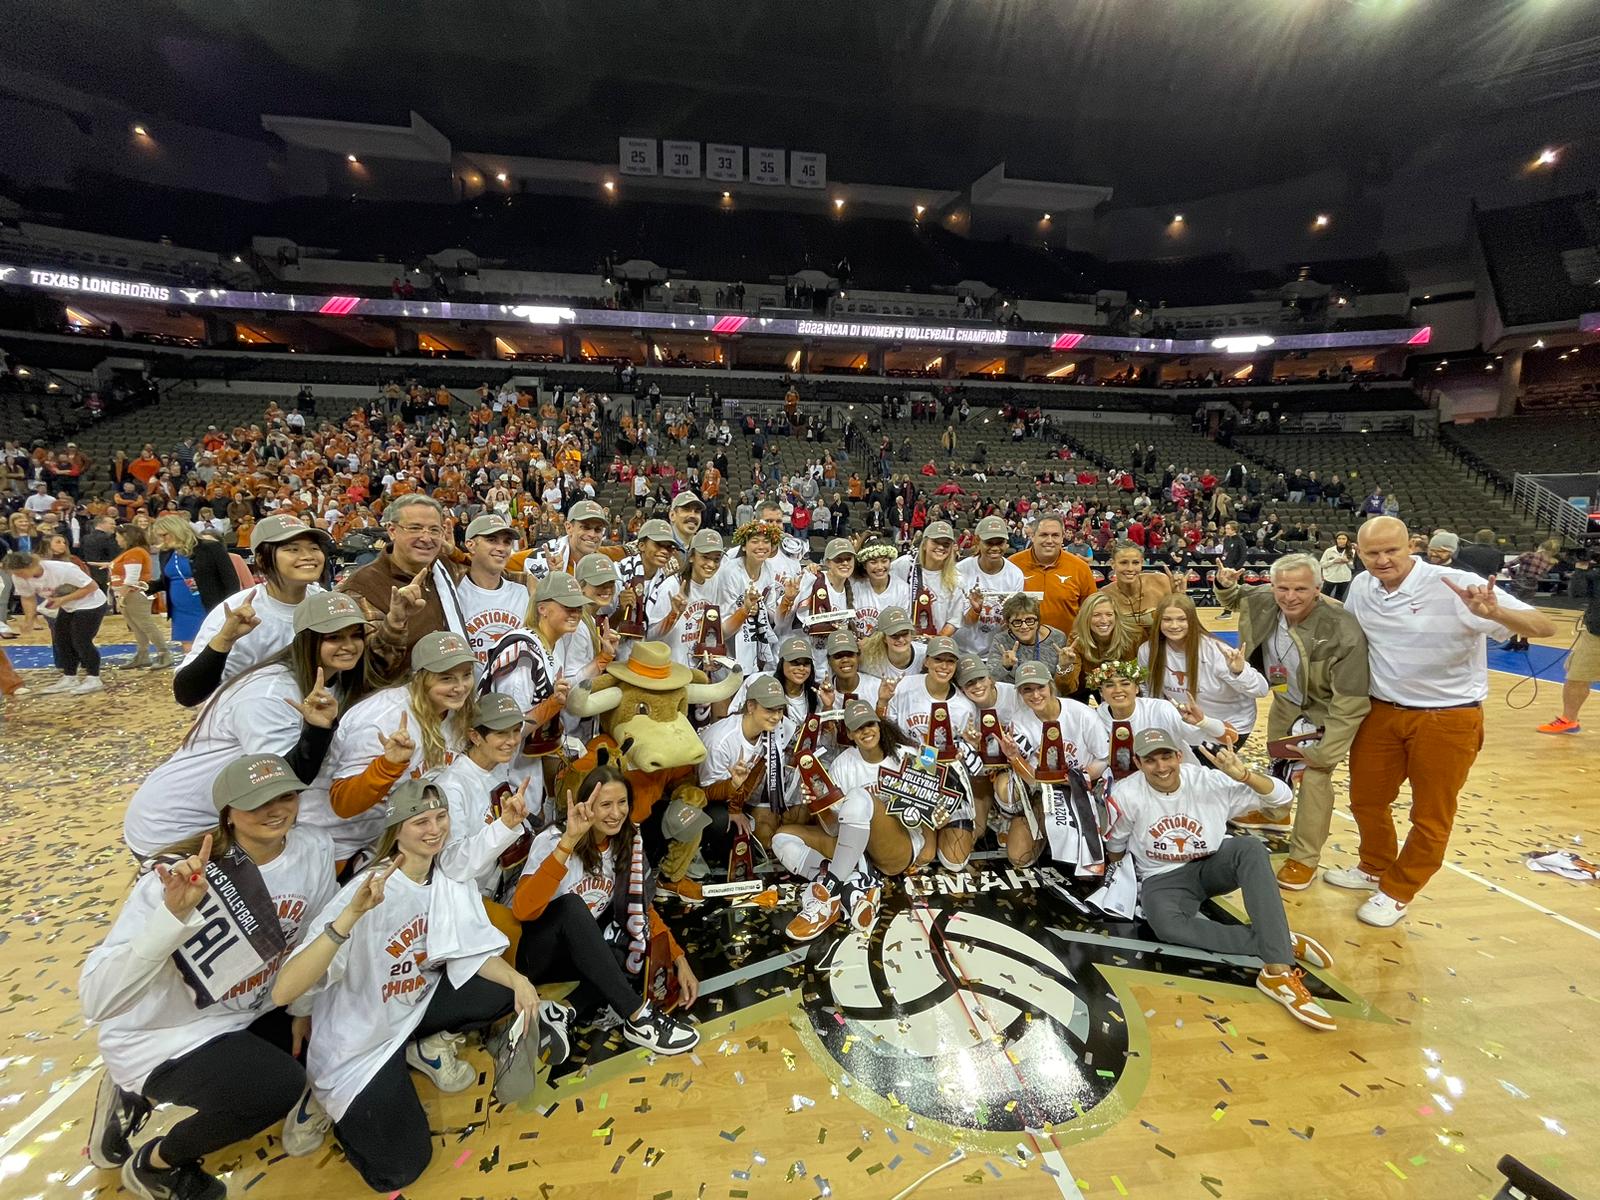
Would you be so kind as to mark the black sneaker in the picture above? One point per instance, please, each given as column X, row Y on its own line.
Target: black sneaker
column 660, row 1032
column 555, row 1025
column 185, row 1182
column 118, row 1115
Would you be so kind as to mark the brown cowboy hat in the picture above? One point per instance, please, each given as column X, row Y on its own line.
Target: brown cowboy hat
column 650, row 667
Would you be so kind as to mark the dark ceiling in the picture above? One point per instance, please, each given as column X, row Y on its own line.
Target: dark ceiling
column 1161, row 99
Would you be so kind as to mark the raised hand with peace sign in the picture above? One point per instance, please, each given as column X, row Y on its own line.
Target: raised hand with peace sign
column 183, row 884
column 1228, row 762
column 398, row 747
column 320, row 707
column 370, row 892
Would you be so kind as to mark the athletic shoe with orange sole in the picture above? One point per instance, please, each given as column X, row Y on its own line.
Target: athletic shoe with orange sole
column 1288, row 990
column 820, row 909
column 1295, row 876
column 1561, row 725
column 686, row 890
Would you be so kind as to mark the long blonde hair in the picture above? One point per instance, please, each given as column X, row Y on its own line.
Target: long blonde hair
column 438, row 736
column 875, row 653
column 178, row 529
column 1125, row 636
column 948, row 577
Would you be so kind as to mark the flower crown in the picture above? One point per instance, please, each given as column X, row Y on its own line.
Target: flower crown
column 877, row 550
column 767, row 529
column 1107, row 671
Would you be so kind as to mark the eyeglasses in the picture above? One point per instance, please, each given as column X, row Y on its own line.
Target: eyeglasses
column 421, row 530
column 1024, row 622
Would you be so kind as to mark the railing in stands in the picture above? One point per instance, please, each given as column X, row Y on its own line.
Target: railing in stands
column 1546, row 499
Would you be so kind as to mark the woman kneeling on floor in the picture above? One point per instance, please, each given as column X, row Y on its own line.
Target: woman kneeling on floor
column 399, row 965
column 178, row 1019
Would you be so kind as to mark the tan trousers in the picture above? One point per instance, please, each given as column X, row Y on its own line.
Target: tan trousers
column 1313, row 810
column 148, row 629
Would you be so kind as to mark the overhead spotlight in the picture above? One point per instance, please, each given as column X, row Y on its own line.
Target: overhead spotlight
column 140, row 131
column 921, row 208
column 838, row 202
column 1177, row 218
column 1047, row 216
column 727, row 195
column 1548, row 157
column 1322, row 221
column 237, row 259
column 502, row 177
column 351, row 158
column 1539, row 344
column 610, row 186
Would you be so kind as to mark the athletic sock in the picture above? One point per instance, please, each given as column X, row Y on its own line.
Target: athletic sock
column 848, row 849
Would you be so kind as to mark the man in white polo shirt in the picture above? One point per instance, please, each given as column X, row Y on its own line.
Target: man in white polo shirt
column 1426, row 627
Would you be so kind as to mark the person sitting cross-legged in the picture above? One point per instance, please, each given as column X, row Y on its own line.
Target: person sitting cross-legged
column 1173, row 816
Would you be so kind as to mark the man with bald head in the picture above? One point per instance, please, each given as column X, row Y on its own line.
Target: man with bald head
column 1426, row 628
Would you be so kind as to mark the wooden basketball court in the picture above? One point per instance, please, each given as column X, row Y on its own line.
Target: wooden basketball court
column 1056, row 1055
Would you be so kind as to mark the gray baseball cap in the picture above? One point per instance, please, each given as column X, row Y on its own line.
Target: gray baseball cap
column 991, row 528
column 707, row 541
column 441, row 651
column 1032, row 671
column 837, row 548
column 327, row 612
column 893, row 620
column 970, row 669
column 682, row 820
column 272, row 530
column 249, row 782
column 588, row 510
column 596, row 570
column 767, row 692
column 687, row 500
column 858, row 713
column 562, row 588
column 657, row 530
column 943, row 647
column 410, row 798
column 1148, row 741
column 496, row 710
column 794, row 649
column 486, row 524
column 842, row 641
column 939, row 531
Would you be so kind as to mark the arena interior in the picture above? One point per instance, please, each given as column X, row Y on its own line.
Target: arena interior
column 1020, row 624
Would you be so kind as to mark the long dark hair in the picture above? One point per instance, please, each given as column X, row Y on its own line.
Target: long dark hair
column 621, row 847
column 302, row 656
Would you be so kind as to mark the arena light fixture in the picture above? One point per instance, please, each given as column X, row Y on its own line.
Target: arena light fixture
column 1047, row 216
column 727, row 195
column 1245, row 344
column 1548, row 157
column 838, row 202
column 543, row 314
column 1177, row 218
column 1322, row 221
column 140, row 131
column 502, row 177
column 610, row 186
column 921, row 208
column 1538, row 344
column 352, row 160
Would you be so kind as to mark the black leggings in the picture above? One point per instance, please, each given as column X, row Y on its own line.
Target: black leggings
column 72, row 640
column 385, row 1131
column 565, row 942
column 204, row 1080
column 1336, row 591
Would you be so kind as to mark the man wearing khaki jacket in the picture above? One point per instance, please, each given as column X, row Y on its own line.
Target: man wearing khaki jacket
column 1314, row 656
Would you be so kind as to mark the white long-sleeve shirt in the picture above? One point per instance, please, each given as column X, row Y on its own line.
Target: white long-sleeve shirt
column 1222, row 694
column 477, row 835
column 131, row 988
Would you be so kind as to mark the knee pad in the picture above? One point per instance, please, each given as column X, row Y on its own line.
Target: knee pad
column 950, row 864
column 790, row 851
column 855, row 808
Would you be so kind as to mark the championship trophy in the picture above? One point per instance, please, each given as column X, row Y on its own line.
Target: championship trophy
column 1052, row 756
column 989, row 748
column 710, row 643
column 821, row 792
column 940, row 736
column 805, row 742
column 630, row 621
column 821, row 603
column 922, row 614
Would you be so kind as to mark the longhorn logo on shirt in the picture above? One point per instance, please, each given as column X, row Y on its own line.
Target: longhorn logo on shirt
column 1177, row 838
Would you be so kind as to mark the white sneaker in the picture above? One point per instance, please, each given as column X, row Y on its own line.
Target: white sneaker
column 1353, row 878
column 306, row 1127
column 1308, row 950
column 65, row 684
column 88, row 686
column 435, row 1056
column 1382, row 911
column 698, row 867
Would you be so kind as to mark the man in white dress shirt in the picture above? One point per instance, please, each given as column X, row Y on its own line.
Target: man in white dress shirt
column 1426, row 627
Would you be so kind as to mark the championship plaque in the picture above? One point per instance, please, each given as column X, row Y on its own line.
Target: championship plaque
column 805, row 742
column 710, row 643
column 1122, row 764
column 1052, row 766
column 989, row 749
column 821, row 792
column 820, row 605
column 630, row 615
column 922, row 614
column 940, row 736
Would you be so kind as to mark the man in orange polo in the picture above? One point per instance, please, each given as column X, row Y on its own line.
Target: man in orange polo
column 1064, row 580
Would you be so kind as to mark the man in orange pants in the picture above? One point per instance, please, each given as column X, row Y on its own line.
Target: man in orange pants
column 1426, row 627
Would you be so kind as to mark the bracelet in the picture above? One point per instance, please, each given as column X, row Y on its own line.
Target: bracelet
column 334, row 936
